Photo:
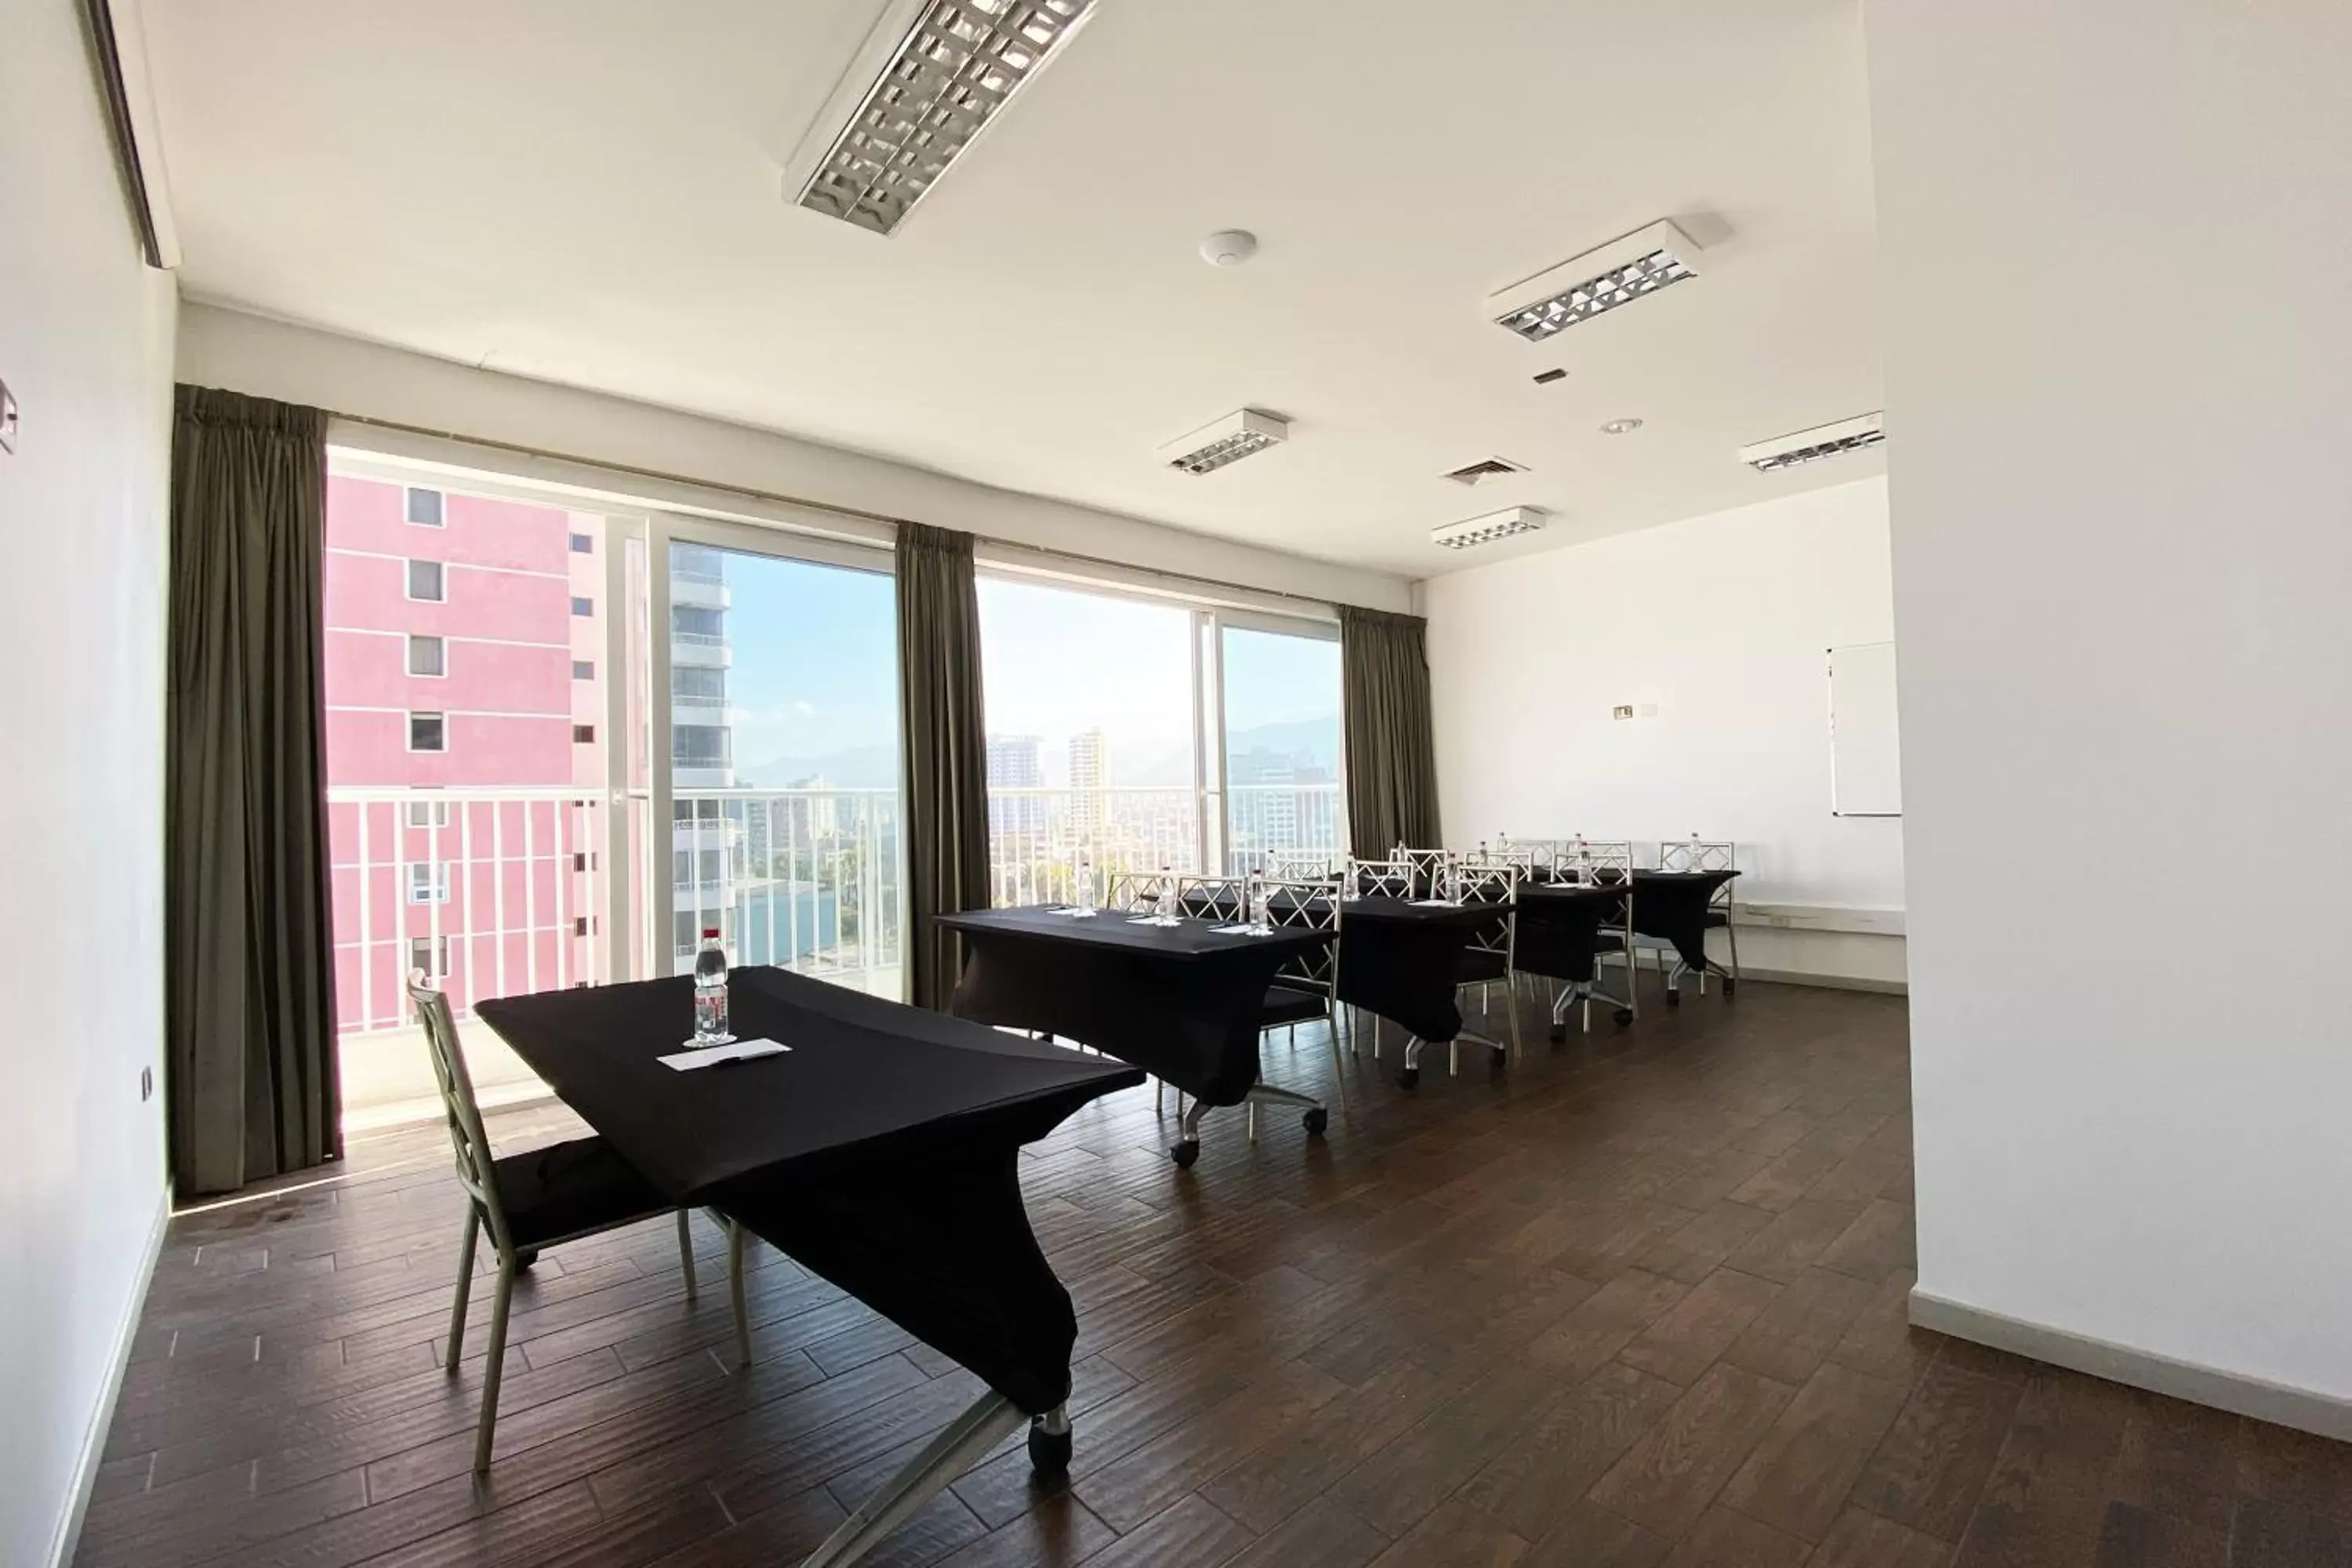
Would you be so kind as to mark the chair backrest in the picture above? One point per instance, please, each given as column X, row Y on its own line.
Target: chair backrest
column 1305, row 905
column 471, row 1144
column 1152, row 893
column 1495, row 882
column 1602, row 861
column 1701, row 855
column 1432, row 869
column 1535, row 855
column 1299, row 865
column 1210, row 898
column 1380, row 879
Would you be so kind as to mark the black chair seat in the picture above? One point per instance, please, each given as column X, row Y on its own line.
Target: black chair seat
column 1478, row 965
column 567, row 1188
column 1716, row 917
column 1283, row 1006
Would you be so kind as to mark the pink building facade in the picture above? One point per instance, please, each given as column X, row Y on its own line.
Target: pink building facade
column 465, row 690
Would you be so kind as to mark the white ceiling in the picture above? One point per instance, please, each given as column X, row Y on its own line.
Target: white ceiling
column 590, row 193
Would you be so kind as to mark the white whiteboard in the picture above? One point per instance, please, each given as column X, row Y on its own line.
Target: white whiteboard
column 1865, row 753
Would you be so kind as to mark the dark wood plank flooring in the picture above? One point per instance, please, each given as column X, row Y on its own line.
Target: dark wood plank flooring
column 1639, row 1301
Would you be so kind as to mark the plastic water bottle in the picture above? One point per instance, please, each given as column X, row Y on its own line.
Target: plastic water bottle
column 1085, row 896
column 710, row 991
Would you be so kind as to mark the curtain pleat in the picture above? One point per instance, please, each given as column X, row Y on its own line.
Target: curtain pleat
column 945, row 747
column 252, row 1087
column 1392, row 750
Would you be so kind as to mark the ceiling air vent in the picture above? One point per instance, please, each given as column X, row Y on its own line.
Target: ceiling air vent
column 1811, row 446
column 1583, row 286
column 1484, row 469
column 1486, row 530
column 1227, row 440
column 932, row 74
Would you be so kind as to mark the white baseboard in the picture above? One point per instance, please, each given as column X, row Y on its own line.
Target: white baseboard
column 1832, row 982
column 93, row 1443
column 2235, row 1391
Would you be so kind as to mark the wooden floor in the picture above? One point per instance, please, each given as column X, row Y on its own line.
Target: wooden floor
column 1639, row 1302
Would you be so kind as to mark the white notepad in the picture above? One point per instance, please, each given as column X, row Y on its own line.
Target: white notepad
column 1434, row 904
column 1241, row 931
column 718, row 1055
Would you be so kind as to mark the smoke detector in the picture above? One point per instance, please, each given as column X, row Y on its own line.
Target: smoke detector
column 1238, row 435
column 1811, row 446
column 1583, row 286
column 1229, row 247
column 1486, row 529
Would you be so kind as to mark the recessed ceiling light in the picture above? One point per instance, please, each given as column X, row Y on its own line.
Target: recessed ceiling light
column 932, row 76
column 1583, row 286
column 1228, row 441
column 1229, row 247
column 1481, row 470
column 1811, row 446
column 1621, row 427
column 1494, row 525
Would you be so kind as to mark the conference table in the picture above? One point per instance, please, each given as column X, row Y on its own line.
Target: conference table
column 1563, row 930
column 1673, row 906
column 1401, row 959
column 1184, row 1001
column 880, row 1151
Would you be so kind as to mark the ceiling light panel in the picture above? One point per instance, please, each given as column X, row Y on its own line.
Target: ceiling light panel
column 1635, row 267
column 1213, row 446
column 1486, row 529
column 1812, row 445
column 954, row 66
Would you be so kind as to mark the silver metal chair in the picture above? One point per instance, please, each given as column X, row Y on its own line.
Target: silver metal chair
column 1143, row 892
column 1490, row 955
column 1696, row 853
column 1432, row 869
column 562, row 1193
column 1301, row 865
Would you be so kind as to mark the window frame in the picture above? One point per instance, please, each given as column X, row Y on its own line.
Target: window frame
column 440, row 580
column 440, row 506
column 439, row 716
column 441, row 647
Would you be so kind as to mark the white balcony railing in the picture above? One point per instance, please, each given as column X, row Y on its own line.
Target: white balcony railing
column 1039, row 839
column 807, row 879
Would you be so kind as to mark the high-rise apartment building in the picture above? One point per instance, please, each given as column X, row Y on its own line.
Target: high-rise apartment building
column 1090, row 776
column 463, row 660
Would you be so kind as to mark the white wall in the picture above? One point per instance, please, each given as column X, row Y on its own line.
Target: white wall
column 86, row 345
column 2119, row 367
column 326, row 370
column 1720, row 621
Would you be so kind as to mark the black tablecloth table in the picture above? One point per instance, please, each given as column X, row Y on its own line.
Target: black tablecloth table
column 1564, row 928
column 1673, row 906
column 1183, row 1001
column 1402, row 960
column 880, row 1152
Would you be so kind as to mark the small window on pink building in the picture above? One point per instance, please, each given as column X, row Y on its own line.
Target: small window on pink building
column 426, row 582
column 428, row 732
column 427, row 656
column 423, row 507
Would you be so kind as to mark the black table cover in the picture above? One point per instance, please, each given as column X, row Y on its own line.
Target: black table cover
column 1672, row 905
column 1182, row 999
column 1560, row 925
column 1402, row 960
column 881, row 1151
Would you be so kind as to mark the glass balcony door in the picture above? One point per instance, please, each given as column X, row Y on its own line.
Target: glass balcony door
column 777, row 669
column 1278, row 718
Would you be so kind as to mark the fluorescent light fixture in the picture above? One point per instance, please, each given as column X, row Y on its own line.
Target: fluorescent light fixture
column 931, row 76
column 1486, row 530
column 1226, row 441
column 1598, row 282
column 1811, row 446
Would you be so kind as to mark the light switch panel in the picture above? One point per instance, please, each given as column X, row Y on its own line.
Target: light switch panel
column 7, row 418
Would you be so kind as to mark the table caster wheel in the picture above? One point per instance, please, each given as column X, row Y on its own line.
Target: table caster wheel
column 1730, row 989
column 1624, row 1016
column 1315, row 1121
column 1184, row 1153
column 1409, row 1078
column 1674, row 998
column 1049, row 1453
column 1559, row 1033
column 525, row 1259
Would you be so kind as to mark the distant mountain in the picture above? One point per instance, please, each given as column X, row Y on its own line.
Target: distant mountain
column 1313, row 742
column 859, row 767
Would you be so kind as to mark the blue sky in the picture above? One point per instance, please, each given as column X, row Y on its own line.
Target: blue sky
column 815, row 651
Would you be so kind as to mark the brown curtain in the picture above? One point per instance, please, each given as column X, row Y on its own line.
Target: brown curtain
column 945, row 745
column 250, row 983
column 1391, row 753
